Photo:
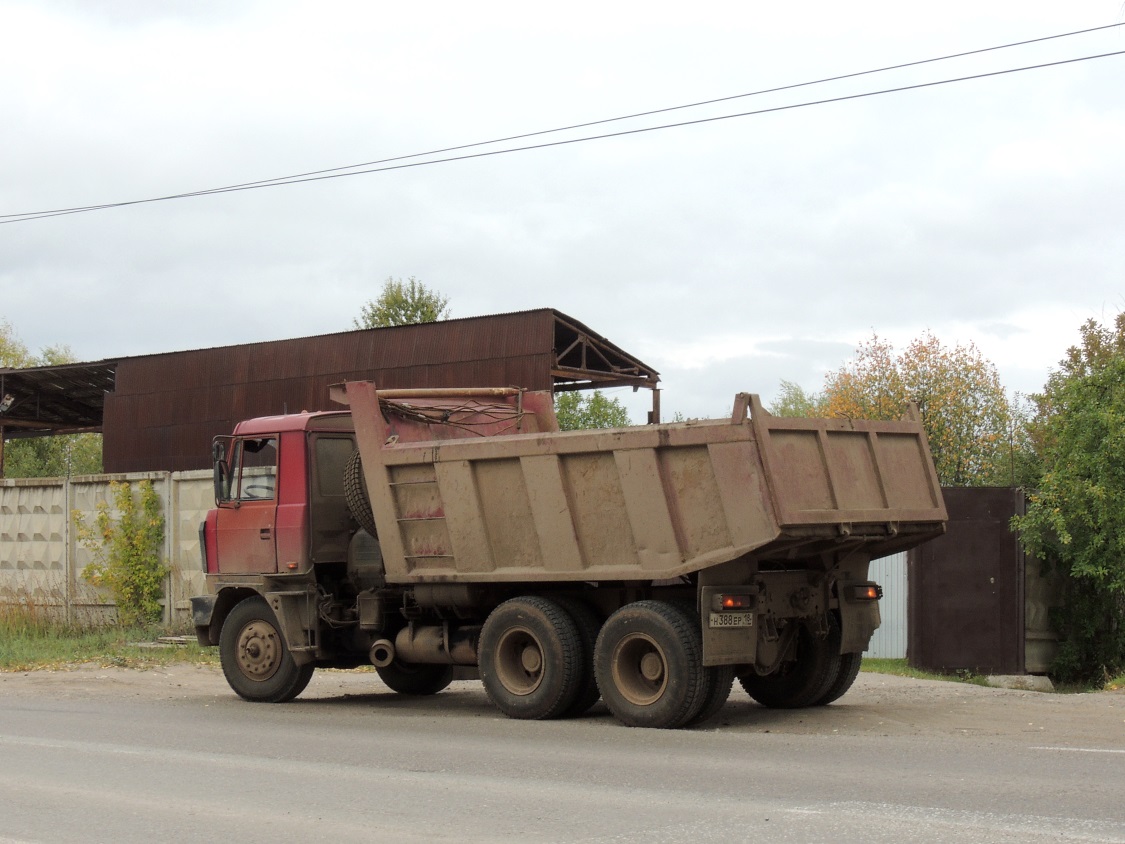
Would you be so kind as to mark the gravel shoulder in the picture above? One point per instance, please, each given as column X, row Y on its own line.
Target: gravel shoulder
column 878, row 704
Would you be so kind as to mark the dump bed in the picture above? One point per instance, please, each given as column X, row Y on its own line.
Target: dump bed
column 642, row 503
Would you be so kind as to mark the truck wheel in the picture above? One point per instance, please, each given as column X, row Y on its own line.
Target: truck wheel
column 719, row 680
column 649, row 665
column 255, row 659
column 849, row 670
column 415, row 678
column 803, row 681
column 355, row 495
column 588, row 623
column 530, row 658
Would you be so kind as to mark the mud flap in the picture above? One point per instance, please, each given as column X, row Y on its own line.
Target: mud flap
column 729, row 638
column 296, row 616
column 859, row 615
column 202, row 609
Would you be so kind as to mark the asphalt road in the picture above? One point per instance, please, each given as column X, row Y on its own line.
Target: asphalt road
column 172, row 755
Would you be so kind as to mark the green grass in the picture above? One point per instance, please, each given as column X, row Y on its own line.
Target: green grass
column 30, row 640
column 899, row 668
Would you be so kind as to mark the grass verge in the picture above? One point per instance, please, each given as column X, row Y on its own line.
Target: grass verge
column 30, row 641
column 900, row 668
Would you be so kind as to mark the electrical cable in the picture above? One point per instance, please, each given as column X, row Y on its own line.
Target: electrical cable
column 336, row 172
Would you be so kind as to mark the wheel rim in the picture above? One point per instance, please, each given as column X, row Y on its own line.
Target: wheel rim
column 519, row 661
column 259, row 650
column 640, row 669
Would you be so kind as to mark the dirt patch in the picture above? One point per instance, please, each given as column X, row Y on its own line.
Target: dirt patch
column 878, row 704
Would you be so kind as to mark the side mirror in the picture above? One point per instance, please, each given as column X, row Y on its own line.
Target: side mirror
column 222, row 471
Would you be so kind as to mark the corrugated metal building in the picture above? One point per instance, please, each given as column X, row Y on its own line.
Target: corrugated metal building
column 160, row 412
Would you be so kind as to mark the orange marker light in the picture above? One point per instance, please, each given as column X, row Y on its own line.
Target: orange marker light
column 868, row 592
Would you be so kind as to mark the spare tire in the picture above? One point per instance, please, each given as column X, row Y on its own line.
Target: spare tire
column 355, row 494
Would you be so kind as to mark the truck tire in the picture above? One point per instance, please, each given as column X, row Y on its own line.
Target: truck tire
column 355, row 494
column 414, row 678
column 530, row 658
column 649, row 664
column 803, row 681
column 588, row 623
column 719, row 680
column 849, row 670
column 254, row 656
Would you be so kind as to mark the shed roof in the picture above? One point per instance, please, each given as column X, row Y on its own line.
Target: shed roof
column 61, row 399
column 70, row 398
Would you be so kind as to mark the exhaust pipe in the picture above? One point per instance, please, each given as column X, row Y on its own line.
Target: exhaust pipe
column 382, row 653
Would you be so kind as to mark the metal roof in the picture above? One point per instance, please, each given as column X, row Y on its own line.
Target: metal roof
column 70, row 398
column 62, row 399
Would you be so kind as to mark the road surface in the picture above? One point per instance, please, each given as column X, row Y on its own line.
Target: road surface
column 171, row 754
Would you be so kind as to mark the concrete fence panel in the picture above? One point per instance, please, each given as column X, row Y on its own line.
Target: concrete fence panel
column 41, row 561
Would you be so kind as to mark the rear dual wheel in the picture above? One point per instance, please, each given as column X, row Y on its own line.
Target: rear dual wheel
column 649, row 665
column 818, row 673
column 543, row 658
column 531, row 658
column 849, row 670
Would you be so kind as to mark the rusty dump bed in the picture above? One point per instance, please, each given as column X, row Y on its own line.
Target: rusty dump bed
column 643, row 503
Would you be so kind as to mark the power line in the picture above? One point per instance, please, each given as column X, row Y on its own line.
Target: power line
column 338, row 172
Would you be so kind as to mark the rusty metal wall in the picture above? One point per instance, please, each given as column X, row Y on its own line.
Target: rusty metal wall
column 967, row 588
column 167, row 408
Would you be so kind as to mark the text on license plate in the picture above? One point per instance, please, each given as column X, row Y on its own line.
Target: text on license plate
column 731, row 619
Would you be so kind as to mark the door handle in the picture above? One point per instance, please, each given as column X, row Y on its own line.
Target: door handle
column 264, row 533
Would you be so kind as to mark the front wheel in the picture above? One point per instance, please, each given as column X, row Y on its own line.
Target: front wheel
column 255, row 659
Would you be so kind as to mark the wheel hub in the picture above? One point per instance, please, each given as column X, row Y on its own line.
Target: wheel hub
column 519, row 661
column 259, row 650
column 652, row 667
column 639, row 668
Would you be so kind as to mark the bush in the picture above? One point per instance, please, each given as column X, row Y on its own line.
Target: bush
column 1075, row 517
column 126, row 552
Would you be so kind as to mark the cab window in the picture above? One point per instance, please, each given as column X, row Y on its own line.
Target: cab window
column 254, row 469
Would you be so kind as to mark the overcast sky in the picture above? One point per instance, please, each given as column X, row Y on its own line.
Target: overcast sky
column 728, row 255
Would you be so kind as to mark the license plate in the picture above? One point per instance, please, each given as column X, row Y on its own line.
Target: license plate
column 731, row 619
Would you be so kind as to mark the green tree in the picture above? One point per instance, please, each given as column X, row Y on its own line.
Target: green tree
column 576, row 411
column 53, row 456
column 403, row 303
column 794, row 401
column 1075, row 519
column 966, row 413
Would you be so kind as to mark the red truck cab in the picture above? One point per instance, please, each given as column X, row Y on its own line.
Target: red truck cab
column 279, row 494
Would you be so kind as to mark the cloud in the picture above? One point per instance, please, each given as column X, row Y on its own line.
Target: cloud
column 728, row 255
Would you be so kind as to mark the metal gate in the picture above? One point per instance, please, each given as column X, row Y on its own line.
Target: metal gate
column 967, row 588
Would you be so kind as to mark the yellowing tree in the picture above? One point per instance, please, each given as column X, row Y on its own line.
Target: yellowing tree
column 964, row 408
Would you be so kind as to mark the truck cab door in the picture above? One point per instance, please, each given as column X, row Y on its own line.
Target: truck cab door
column 246, row 523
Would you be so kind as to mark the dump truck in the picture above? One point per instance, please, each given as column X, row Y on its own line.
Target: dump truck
column 429, row 531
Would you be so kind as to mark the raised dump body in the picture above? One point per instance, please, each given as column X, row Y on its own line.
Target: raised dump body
column 647, row 566
column 644, row 503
